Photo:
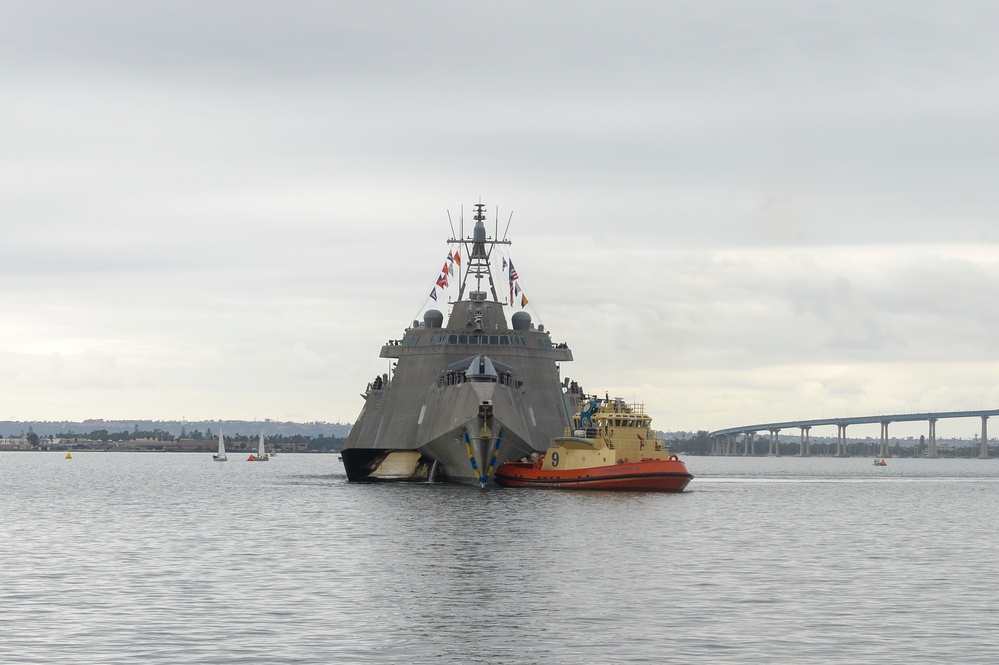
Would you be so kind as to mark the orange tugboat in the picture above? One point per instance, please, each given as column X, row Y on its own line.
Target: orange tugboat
column 609, row 447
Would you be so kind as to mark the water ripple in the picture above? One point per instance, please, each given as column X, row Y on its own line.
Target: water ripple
column 160, row 558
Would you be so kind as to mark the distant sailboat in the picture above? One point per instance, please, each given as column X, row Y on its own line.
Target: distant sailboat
column 220, row 456
column 261, row 453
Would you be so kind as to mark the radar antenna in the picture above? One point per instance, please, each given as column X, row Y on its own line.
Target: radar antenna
column 478, row 249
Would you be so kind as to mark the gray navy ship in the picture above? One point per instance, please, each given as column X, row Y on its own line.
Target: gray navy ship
column 465, row 397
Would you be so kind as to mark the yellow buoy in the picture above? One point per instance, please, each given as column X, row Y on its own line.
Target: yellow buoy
column 69, row 456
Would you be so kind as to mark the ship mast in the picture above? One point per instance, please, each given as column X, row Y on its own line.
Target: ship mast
column 478, row 250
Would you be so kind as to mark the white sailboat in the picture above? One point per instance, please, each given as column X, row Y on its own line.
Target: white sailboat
column 261, row 455
column 220, row 456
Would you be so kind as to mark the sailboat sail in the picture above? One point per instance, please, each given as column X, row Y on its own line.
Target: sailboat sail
column 220, row 456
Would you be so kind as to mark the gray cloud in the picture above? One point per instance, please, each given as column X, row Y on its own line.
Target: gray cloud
column 764, row 210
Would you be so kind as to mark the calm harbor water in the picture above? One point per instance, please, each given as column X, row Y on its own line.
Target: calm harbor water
column 172, row 558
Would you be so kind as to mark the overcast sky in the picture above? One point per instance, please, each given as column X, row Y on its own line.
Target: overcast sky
column 737, row 212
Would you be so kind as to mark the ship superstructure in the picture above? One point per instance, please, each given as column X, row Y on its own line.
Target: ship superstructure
column 464, row 397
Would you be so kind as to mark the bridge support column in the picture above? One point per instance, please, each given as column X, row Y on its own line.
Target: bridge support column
column 745, row 444
column 841, row 441
column 752, row 443
column 884, row 450
column 931, row 451
column 805, row 441
column 985, row 438
column 774, row 443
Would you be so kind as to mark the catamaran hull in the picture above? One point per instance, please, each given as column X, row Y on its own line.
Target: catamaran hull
column 463, row 433
column 461, row 455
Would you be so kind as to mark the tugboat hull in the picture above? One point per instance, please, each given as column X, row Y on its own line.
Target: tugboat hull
column 648, row 476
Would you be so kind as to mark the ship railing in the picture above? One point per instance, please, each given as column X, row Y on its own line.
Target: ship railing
column 455, row 378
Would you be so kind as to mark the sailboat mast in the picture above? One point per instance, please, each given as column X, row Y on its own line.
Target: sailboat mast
column 478, row 253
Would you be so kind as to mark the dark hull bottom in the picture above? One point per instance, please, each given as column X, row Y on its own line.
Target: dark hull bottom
column 644, row 477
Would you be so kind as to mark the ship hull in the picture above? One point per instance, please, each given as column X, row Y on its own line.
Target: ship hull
column 456, row 433
column 648, row 476
column 468, row 454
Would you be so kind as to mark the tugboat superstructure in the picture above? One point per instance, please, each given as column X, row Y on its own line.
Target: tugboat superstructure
column 464, row 397
column 611, row 446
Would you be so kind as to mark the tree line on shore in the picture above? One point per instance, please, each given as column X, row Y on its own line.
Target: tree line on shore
column 237, row 440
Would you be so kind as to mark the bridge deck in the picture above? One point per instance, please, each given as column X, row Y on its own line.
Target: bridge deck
column 893, row 418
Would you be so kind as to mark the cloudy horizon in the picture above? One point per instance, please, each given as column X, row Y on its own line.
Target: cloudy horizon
column 736, row 213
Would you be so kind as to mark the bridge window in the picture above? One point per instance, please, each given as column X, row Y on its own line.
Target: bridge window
column 494, row 339
column 410, row 340
column 462, row 339
column 504, row 340
column 473, row 339
column 452, row 339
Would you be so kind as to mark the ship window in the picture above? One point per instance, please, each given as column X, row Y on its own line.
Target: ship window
column 452, row 339
column 473, row 339
column 544, row 343
column 410, row 340
column 494, row 339
column 462, row 339
column 504, row 340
